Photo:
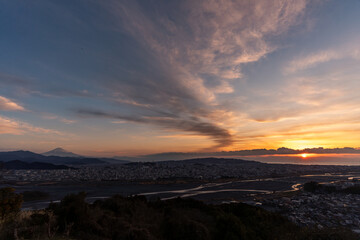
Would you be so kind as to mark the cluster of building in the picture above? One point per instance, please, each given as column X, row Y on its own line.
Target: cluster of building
column 37, row 175
column 319, row 210
column 304, row 208
column 209, row 170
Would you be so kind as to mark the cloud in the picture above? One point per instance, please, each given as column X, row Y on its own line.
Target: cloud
column 8, row 126
column 55, row 117
column 312, row 60
column 35, row 87
column 319, row 126
column 210, row 37
column 8, row 105
column 12, row 80
column 190, row 53
column 15, row 127
column 331, row 89
column 220, row 135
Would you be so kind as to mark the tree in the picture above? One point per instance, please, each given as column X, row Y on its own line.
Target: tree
column 10, row 202
column 72, row 213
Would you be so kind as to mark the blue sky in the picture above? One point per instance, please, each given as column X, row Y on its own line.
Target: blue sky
column 136, row 77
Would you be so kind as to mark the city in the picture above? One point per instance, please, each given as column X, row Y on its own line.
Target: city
column 277, row 187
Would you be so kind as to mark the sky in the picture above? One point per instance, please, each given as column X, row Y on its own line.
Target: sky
column 130, row 77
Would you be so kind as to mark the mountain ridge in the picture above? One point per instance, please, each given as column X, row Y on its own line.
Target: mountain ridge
column 29, row 157
column 60, row 152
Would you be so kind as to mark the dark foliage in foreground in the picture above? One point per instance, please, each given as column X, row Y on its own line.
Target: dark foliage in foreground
column 136, row 218
column 10, row 203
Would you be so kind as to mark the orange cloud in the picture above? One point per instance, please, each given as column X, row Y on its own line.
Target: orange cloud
column 8, row 105
column 15, row 127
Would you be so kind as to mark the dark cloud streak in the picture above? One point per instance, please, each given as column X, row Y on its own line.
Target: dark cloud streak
column 7, row 79
column 221, row 136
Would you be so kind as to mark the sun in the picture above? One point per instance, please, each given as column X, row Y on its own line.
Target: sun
column 304, row 155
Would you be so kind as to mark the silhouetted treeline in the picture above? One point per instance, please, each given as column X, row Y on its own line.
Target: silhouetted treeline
column 136, row 218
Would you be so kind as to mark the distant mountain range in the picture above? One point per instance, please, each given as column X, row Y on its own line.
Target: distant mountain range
column 70, row 159
column 60, row 156
column 235, row 154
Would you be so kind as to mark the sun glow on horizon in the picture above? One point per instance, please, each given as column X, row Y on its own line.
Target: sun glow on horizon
column 304, row 155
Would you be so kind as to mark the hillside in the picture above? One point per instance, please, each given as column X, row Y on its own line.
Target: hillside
column 17, row 164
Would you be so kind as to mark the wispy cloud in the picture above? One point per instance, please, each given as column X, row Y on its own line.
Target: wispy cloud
column 194, row 51
column 9, row 105
column 58, row 118
column 312, row 60
column 208, row 43
column 12, row 80
column 322, row 56
column 324, row 90
column 15, row 127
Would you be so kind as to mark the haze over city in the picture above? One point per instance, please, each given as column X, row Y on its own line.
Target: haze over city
column 123, row 78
